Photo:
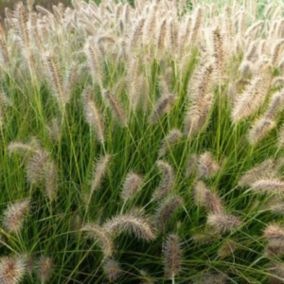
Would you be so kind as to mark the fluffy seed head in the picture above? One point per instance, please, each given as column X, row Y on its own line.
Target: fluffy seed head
column 211, row 278
column 172, row 256
column 200, row 101
column 192, row 163
column 167, row 209
column 93, row 116
column 167, row 181
column 172, row 138
column 12, row 270
column 14, row 216
column 45, row 268
column 116, row 108
column 133, row 223
column 265, row 169
column 162, row 107
column 260, row 129
column 36, row 165
column 222, row 222
column 252, row 98
column 281, row 137
column 274, row 234
column 277, row 270
column 270, row 186
column 131, row 185
column 205, row 198
column 99, row 171
column 227, row 249
column 207, row 166
column 100, row 235
column 112, row 269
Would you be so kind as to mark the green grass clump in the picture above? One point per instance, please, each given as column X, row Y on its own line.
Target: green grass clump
column 142, row 144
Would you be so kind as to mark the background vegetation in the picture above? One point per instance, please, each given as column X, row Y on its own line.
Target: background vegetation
column 129, row 155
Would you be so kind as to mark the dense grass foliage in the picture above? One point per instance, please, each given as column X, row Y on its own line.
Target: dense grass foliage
column 142, row 144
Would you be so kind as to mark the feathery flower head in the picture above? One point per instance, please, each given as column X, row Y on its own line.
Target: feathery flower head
column 12, row 269
column 102, row 236
column 222, row 222
column 172, row 256
column 131, row 185
column 14, row 215
column 45, row 267
column 112, row 269
column 132, row 222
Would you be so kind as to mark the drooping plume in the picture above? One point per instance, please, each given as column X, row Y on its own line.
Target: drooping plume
column 132, row 223
column 100, row 235
column 167, row 181
column 166, row 209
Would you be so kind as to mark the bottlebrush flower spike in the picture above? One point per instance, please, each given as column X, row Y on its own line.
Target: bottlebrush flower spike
column 93, row 116
column 269, row 186
column 163, row 106
column 170, row 140
column 167, row 209
column 35, row 165
column 197, row 21
column 100, row 171
column 131, row 186
column 192, row 163
column 212, row 278
column 19, row 147
column 277, row 271
column 281, row 137
column 102, row 236
column 227, row 249
column 51, row 180
column 265, row 169
column 204, row 197
column 167, row 181
column 137, row 34
column 45, row 268
column 112, row 269
column 207, row 166
column 93, row 61
column 133, row 223
column 200, row 101
column 276, row 52
column 275, row 106
column 222, row 222
column 12, row 269
column 253, row 96
column 14, row 216
column 172, row 256
column 274, row 234
column 116, row 108
column 55, row 79
column 260, row 129
column 219, row 53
